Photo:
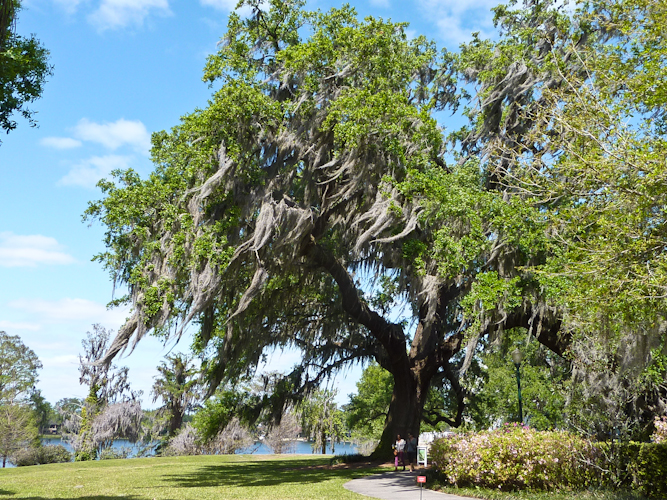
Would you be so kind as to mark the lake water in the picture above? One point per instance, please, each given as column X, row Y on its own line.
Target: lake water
column 302, row 447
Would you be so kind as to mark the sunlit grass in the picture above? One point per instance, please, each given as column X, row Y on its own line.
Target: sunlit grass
column 253, row 477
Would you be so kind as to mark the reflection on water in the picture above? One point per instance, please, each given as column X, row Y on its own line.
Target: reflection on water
column 301, row 447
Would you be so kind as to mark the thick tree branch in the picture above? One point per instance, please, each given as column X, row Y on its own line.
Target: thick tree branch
column 390, row 335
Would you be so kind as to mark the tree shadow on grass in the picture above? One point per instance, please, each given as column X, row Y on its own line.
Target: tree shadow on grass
column 264, row 473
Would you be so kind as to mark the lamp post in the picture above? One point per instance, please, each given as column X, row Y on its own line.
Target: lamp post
column 517, row 356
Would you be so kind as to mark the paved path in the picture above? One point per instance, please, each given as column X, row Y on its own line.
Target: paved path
column 395, row 486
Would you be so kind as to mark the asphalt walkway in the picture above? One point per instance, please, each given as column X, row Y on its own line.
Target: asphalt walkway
column 395, row 486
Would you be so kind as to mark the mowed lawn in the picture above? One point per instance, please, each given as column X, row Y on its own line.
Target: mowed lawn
column 251, row 477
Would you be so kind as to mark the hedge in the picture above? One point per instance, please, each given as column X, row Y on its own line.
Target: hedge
column 516, row 457
column 640, row 467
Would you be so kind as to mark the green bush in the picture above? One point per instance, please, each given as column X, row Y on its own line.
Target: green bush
column 515, row 457
column 49, row 454
column 639, row 467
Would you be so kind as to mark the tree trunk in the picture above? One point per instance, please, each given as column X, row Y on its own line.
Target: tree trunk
column 175, row 420
column 324, row 442
column 405, row 410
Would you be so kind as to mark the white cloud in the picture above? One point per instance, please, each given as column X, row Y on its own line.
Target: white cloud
column 88, row 172
column 69, row 6
column 10, row 326
column 60, row 142
column 71, row 310
column 411, row 34
column 229, row 5
column 63, row 361
column 113, row 135
column 380, row 3
column 112, row 14
column 457, row 20
column 28, row 251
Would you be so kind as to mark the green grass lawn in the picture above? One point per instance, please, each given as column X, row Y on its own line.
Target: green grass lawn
column 248, row 477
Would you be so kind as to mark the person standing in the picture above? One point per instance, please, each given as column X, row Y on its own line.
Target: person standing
column 399, row 452
column 411, row 450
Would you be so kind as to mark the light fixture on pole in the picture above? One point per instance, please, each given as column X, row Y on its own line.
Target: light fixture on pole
column 517, row 357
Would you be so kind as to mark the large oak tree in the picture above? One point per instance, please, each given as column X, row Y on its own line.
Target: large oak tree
column 316, row 192
column 310, row 196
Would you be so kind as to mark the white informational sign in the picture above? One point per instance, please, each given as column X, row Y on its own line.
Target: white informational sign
column 422, row 455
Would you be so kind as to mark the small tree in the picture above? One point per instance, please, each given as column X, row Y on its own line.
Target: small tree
column 177, row 386
column 17, row 429
column 281, row 437
column 234, row 437
column 110, row 411
column 44, row 412
column 321, row 420
column 18, row 376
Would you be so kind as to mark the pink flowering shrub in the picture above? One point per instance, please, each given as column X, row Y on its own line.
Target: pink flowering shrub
column 515, row 457
column 660, row 433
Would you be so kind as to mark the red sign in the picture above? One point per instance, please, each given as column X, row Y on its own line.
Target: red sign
column 421, row 479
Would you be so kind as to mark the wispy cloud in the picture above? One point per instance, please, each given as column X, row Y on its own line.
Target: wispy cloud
column 228, row 6
column 62, row 361
column 380, row 3
column 88, row 172
column 69, row 6
column 114, row 14
column 29, row 251
column 11, row 326
column 71, row 310
column 457, row 20
column 60, row 142
column 113, row 135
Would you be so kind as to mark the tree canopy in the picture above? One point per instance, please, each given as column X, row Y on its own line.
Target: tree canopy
column 23, row 68
column 18, row 369
column 570, row 118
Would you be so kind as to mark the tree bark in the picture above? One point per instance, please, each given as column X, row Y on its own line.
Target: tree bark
column 405, row 410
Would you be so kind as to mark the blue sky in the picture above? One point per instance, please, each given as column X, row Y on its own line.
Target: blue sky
column 122, row 70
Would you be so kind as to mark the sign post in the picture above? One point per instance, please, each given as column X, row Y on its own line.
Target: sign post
column 421, row 480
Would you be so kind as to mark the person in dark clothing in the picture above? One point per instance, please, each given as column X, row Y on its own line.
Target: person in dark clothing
column 411, row 450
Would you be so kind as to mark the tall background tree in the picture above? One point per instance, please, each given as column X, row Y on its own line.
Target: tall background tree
column 18, row 369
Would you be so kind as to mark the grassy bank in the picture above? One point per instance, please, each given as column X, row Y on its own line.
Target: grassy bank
column 254, row 477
